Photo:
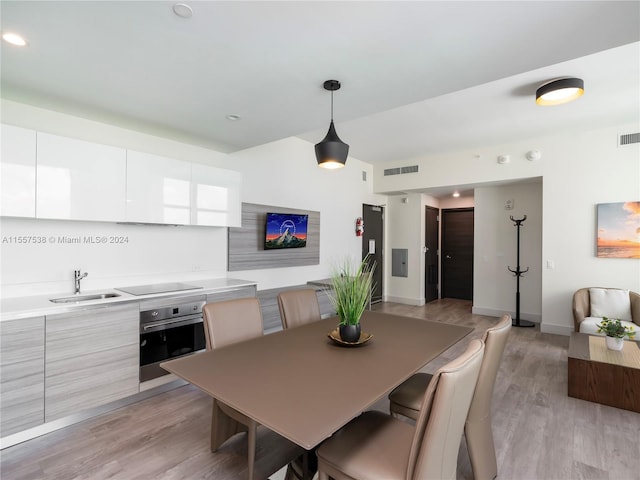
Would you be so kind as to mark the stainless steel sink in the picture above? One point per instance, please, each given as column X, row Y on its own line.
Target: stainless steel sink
column 84, row 298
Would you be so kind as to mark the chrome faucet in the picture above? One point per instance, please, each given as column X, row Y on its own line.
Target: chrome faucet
column 78, row 277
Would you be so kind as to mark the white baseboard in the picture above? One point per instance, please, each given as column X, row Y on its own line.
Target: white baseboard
column 556, row 329
column 491, row 312
column 406, row 301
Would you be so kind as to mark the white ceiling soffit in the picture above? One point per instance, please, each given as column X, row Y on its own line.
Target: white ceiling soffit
column 416, row 77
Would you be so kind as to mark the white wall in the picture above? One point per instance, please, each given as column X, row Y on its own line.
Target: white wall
column 578, row 171
column 285, row 174
column 282, row 173
column 582, row 171
column 151, row 254
column 460, row 169
column 495, row 238
column 405, row 229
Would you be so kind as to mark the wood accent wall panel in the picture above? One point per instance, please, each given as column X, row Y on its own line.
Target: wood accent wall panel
column 246, row 244
column 21, row 374
column 92, row 359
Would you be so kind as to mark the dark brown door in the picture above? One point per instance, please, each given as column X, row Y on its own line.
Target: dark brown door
column 457, row 253
column 431, row 254
column 373, row 216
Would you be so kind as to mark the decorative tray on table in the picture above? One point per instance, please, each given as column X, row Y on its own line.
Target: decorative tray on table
column 335, row 336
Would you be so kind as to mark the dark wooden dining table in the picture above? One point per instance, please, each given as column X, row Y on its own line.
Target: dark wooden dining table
column 303, row 385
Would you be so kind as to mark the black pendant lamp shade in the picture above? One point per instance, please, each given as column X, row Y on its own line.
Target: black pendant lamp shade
column 562, row 90
column 332, row 152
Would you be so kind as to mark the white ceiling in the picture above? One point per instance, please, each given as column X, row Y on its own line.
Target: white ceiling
column 417, row 77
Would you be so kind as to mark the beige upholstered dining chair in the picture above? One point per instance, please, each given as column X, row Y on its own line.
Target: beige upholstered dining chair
column 406, row 400
column 298, row 307
column 378, row 446
column 228, row 322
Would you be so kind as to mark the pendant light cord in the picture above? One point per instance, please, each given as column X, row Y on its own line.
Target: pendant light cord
column 332, row 105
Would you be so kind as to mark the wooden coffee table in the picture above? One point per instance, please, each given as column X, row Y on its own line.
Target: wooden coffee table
column 604, row 376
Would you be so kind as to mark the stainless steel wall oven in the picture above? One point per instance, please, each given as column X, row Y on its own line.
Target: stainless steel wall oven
column 168, row 333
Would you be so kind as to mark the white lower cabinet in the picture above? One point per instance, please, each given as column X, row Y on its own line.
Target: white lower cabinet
column 21, row 374
column 92, row 358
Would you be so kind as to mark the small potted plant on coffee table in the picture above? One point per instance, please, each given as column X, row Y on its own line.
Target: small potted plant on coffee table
column 615, row 332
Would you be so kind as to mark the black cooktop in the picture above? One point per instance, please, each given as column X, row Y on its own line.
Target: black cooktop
column 157, row 288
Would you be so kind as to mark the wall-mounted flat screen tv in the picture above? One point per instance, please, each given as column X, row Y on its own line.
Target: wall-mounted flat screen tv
column 285, row 230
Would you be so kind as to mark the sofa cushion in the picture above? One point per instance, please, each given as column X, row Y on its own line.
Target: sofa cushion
column 590, row 325
column 610, row 303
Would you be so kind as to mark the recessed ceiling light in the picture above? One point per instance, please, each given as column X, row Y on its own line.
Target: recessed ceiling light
column 233, row 118
column 456, row 194
column 14, row 39
column 183, row 10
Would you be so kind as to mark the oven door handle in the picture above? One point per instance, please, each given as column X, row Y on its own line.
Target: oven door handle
column 177, row 322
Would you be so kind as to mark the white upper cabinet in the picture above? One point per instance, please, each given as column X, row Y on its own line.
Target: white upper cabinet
column 18, row 171
column 79, row 180
column 215, row 196
column 49, row 176
column 158, row 189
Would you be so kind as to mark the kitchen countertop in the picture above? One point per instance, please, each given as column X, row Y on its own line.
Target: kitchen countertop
column 39, row 305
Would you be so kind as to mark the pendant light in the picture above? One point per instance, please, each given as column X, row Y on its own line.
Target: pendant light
column 559, row 91
column 332, row 152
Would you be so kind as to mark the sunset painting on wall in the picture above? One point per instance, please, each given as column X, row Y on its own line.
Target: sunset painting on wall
column 619, row 230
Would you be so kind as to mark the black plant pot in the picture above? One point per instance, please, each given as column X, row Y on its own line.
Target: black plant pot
column 350, row 333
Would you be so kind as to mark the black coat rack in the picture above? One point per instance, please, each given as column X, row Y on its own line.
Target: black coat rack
column 518, row 272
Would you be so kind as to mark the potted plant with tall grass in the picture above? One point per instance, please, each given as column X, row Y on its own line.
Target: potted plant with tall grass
column 352, row 287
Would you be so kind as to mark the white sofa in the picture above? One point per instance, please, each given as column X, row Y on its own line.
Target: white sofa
column 590, row 305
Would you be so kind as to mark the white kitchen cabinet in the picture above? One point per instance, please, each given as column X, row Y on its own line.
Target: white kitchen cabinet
column 92, row 358
column 158, row 189
column 78, row 180
column 21, row 374
column 216, row 196
column 18, row 171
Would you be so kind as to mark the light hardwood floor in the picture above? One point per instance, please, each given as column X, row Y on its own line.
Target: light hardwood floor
column 540, row 432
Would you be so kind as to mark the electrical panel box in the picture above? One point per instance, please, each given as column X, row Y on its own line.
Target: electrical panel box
column 399, row 262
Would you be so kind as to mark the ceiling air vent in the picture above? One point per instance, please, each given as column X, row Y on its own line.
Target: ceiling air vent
column 401, row 170
column 411, row 169
column 629, row 138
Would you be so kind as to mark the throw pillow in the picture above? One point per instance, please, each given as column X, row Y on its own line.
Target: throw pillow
column 611, row 303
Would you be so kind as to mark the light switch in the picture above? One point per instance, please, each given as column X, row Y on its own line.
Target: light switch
column 551, row 264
